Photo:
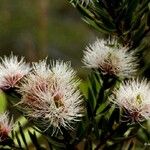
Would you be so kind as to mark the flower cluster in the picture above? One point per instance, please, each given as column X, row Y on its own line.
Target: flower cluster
column 110, row 60
column 12, row 70
column 133, row 97
column 51, row 92
column 5, row 126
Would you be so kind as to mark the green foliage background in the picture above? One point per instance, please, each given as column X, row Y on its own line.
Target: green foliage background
column 38, row 28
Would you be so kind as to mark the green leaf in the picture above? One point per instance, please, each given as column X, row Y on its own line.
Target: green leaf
column 114, row 118
column 94, row 25
column 91, row 99
column 132, row 5
column 96, row 129
column 103, row 108
column 102, row 15
column 22, row 135
column 35, row 141
column 18, row 140
column 95, row 86
column 57, row 143
column 138, row 34
column 91, row 19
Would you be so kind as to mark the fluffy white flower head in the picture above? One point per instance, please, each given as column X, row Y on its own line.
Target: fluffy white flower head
column 11, row 71
column 54, row 96
column 110, row 60
column 134, row 97
column 5, row 126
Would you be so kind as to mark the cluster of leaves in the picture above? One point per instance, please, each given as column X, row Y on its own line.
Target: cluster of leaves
column 128, row 20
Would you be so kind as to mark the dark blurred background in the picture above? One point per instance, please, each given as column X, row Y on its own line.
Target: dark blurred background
column 39, row 28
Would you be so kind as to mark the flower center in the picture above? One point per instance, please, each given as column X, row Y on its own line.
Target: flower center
column 11, row 80
column 109, row 66
column 139, row 99
column 58, row 100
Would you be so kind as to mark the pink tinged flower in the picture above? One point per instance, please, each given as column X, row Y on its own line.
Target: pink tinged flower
column 12, row 70
column 110, row 60
column 6, row 126
column 51, row 92
column 133, row 97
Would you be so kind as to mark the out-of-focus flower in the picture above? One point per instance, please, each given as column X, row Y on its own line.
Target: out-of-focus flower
column 133, row 97
column 52, row 93
column 11, row 71
column 6, row 126
column 111, row 60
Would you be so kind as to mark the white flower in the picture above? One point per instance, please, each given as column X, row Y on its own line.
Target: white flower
column 134, row 97
column 52, row 95
column 6, row 126
column 110, row 60
column 41, row 69
column 11, row 71
column 64, row 71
